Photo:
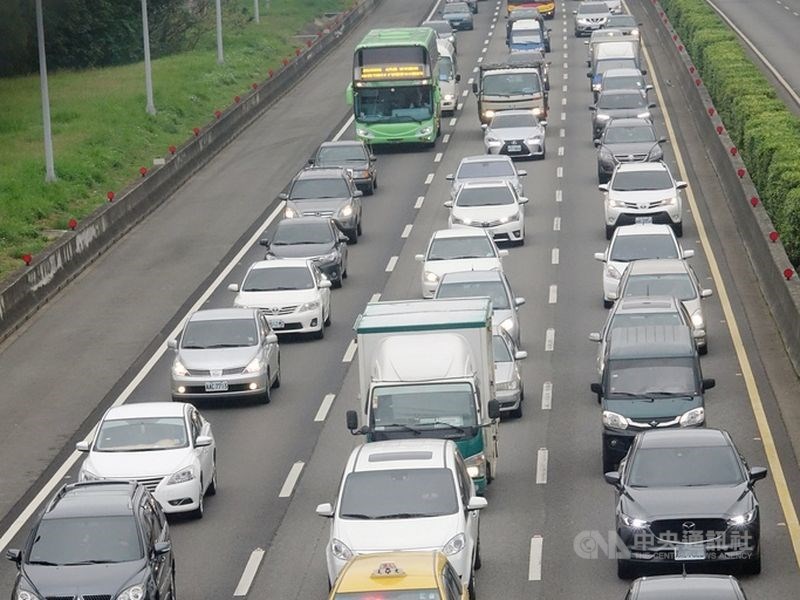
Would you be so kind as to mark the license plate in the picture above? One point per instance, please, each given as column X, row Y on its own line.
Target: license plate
column 514, row 148
column 694, row 552
column 644, row 220
column 277, row 323
column 216, row 386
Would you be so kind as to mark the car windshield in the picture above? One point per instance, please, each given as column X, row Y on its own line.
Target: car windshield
column 629, row 135
column 645, row 319
column 141, row 435
column 643, row 376
column 473, row 246
column 290, row 232
column 421, row 594
column 511, row 84
column 634, row 181
column 341, row 154
column 486, row 196
column 621, row 21
column 471, row 289
column 452, row 8
column 485, row 169
column 311, row 188
column 398, row 494
column 689, row 466
column 502, row 121
column 500, row 350
column 86, row 540
column 592, row 9
column 679, row 285
column 396, row 104
column 526, row 36
column 635, row 247
column 219, row 333
column 632, row 82
column 440, row 27
column 278, row 279
column 445, row 68
column 432, row 406
column 621, row 101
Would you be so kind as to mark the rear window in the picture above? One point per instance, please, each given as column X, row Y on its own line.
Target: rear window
column 621, row 100
column 636, row 247
column 488, row 168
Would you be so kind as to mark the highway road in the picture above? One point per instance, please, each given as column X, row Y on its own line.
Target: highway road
column 102, row 341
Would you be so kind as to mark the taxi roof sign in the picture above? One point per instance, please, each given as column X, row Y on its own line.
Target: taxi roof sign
column 388, row 569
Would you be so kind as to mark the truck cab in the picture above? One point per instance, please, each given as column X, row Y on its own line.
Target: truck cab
column 509, row 87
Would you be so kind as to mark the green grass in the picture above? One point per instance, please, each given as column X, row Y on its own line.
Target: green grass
column 101, row 133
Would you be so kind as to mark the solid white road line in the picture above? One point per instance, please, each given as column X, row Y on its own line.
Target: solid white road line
column 376, row 297
column 433, row 11
column 391, row 264
column 554, row 256
column 350, row 352
column 347, row 124
column 249, row 573
column 549, row 339
column 429, row 179
column 406, row 231
column 420, row 200
column 535, row 560
column 552, row 297
column 438, row 157
column 547, row 395
column 541, row 466
column 291, row 479
column 559, row 195
column 556, row 223
column 322, row 413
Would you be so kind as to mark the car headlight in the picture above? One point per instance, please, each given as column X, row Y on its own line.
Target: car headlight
column 693, row 417
column 26, row 595
column 346, row 211
column 536, row 111
column 508, row 325
column 462, row 220
column 181, row 476
column 431, row 277
column 613, row 271
column 492, row 140
column 669, row 201
column 362, row 132
column 507, row 385
column 697, row 319
column 634, row 32
column 425, row 130
column 255, row 366
column 488, row 114
column 135, row 592
column 476, row 465
column 602, row 117
column 340, row 550
column 449, row 97
column 455, row 545
column 616, row 203
column 313, row 305
column 534, row 140
column 744, row 518
column 644, row 115
column 290, row 213
column 597, row 87
column 614, row 420
column 178, row 369
column 329, row 257
column 633, row 521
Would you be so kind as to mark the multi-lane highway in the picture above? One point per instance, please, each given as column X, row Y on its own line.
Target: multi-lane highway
column 102, row 341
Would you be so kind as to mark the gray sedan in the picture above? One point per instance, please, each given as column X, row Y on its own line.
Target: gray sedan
column 516, row 133
column 509, row 390
column 618, row 104
column 485, row 167
column 225, row 353
column 626, row 140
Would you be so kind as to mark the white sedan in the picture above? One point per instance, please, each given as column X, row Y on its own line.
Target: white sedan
column 493, row 206
column 451, row 250
column 292, row 292
column 166, row 446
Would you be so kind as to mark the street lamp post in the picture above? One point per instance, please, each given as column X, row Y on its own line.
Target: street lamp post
column 257, row 11
column 148, row 70
column 50, row 170
column 220, row 56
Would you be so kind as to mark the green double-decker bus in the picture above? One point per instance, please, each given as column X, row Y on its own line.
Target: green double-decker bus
column 395, row 87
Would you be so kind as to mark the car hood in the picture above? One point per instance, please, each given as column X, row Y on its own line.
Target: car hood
column 440, row 267
column 137, row 465
column 397, row 534
column 217, row 358
column 300, row 250
column 631, row 147
column 503, row 371
column 674, row 503
column 486, row 213
column 355, row 165
column 516, row 133
column 318, row 205
column 642, row 196
column 84, row 580
column 275, row 299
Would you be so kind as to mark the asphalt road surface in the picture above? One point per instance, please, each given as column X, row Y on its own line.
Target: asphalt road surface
column 102, row 341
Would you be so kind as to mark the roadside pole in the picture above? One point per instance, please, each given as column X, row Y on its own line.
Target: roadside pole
column 257, row 11
column 220, row 56
column 148, row 72
column 50, row 170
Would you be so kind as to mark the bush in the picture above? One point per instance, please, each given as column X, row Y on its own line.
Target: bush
column 761, row 126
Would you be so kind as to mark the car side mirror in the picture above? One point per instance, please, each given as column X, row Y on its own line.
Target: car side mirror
column 283, row 196
column 594, row 336
column 484, row 126
column 757, row 474
column 325, row 284
column 477, row 503
column 652, row 105
column 708, row 383
column 699, row 334
column 589, row 75
column 522, row 173
column 663, row 140
column 687, row 253
column 502, row 252
column 448, row 203
column 613, row 478
column 311, row 161
column 644, row 72
column 601, row 256
column 522, row 200
column 342, row 237
column 648, row 88
column 592, row 108
column 162, row 548
column 681, row 185
column 14, row 555
column 603, row 187
column 419, row 257
column 272, row 338
column 358, row 194
column 596, row 143
column 474, row 87
column 172, row 344
column 543, row 123
column 706, row 293
column 449, row 177
column 372, row 158
column 613, row 295
column 458, row 77
column 574, row 12
column 351, row 417
column 264, row 242
column 203, row 441
column 82, row 446
column 519, row 301
column 325, row 510
column 596, row 388
column 520, row 355
column 233, row 287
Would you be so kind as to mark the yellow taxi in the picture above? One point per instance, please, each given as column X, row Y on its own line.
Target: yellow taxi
column 425, row 575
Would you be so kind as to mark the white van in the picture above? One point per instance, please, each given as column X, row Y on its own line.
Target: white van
column 449, row 77
column 615, row 50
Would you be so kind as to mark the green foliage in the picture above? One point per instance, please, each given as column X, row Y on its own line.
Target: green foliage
column 761, row 126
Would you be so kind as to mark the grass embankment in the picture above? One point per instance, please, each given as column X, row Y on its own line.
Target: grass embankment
column 765, row 132
column 101, row 133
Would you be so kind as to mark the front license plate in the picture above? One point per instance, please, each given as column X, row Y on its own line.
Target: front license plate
column 514, row 148
column 644, row 220
column 694, row 552
column 277, row 323
column 216, row 386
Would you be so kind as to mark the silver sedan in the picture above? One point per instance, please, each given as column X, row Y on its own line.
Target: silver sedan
column 516, row 133
column 509, row 390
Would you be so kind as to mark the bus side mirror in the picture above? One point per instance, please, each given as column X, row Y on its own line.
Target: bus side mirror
column 349, row 95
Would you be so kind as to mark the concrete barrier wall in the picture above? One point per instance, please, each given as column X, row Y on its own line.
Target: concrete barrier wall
column 26, row 290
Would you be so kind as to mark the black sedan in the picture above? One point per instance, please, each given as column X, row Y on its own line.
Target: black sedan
column 685, row 496
column 316, row 238
column 686, row 587
column 353, row 156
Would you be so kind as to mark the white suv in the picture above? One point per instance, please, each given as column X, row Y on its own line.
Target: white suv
column 410, row 494
column 643, row 193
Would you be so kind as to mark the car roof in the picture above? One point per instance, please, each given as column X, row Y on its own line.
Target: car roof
column 642, row 166
column 419, row 570
column 584, row 4
column 644, row 229
column 103, row 498
column 471, row 276
column 486, row 158
column 299, row 221
column 630, row 122
column 529, row 22
column 485, row 183
column 402, row 454
column 514, row 113
column 643, row 304
column 689, row 437
column 620, row 92
column 146, row 409
column 342, row 143
column 459, row 233
column 283, row 262
column 650, row 341
column 623, row 72
column 657, row 266
column 219, row 314
column 321, row 173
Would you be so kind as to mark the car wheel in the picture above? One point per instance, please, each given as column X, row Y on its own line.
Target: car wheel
column 678, row 227
column 352, row 236
column 359, row 231
column 489, row 473
column 375, row 183
column 471, row 587
column 609, row 231
column 517, row 412
column 477, row 564
column 327, row 321
column 624, row 569
column 198, row 512
column 277, row 382
column 337, row 283
column 371, row 188
column 609, row 464
column 752, row 566
column 173, row 595
column 212, row 488
column 266, row 397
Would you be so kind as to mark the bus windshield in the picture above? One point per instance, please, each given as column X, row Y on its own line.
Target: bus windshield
column 394, row 104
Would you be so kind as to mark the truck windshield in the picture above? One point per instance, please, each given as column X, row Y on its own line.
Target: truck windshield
column 430, row 594
column 394, row 104
column 428, row 405
column 511, row 84
column 647, row 377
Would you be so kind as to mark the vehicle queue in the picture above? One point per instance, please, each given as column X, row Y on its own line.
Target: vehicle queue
column 405, row 520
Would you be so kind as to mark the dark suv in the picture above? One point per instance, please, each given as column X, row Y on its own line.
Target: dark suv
column 100, row 540
column 326, row 192
column 651, row 380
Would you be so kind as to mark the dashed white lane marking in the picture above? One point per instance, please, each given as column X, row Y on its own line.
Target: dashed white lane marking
column 465, row 93
column 564, row 87
column 291, row 479
column 459, row 106
column 559, row 195
column 249, row 573
column 561, row 150
column 547, row 395
column 562, row 132
column 322, row 413
column 420, row 200
column 563, row 116
column 406, row 231
column 445, row 138
column 566, row 65
column 391, row 264
column 556, row 223
column 350, row 352
column 549, row 339
column 453, row 121
column 552, row 297
column 565, row 29
column 475, row 69
column 560, row 172
column 375, row 297
column 535, row 560
column 486, row 42
column 566, row 54
column 563, row 102
column 566, row 76
column 554, row 256
column 483, row 50
column 480, row 59
column 429, row 179
column 471, row 80
column 438, row 157
column 541, row 466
